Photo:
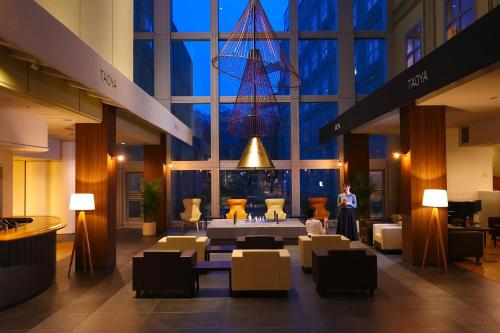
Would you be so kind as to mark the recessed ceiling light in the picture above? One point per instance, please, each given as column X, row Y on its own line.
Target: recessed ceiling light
column 67, row 120
column 123, row 143
column 494, row 97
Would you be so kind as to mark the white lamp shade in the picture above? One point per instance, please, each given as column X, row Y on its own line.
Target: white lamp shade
column 82, row 201
column 435, row 198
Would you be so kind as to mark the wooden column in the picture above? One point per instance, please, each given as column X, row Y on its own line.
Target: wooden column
column 155, row 161
column 423, row 141
column 357, row 164
column 96, row 173
column 356, row 155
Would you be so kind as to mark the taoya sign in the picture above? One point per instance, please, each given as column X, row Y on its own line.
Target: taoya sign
column 417, row 80
column 109, row 80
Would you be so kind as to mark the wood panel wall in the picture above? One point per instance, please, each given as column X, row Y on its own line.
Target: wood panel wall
column 155, row 160
column 96, row 173
column 356, row 155
column 496, row 183
column 423, row 140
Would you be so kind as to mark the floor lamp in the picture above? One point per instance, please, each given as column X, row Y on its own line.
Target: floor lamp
column 82, row 202
column 435, row 199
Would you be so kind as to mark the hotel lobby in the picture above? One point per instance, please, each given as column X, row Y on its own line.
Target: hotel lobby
column 249, row 165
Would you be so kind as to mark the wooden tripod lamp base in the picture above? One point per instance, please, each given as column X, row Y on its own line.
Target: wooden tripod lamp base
column 82, row 202
column 435, row 199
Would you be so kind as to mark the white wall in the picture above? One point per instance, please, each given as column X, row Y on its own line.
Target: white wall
column 7, row 181
column 496, row 161
column 469, row 169
column 46, row 185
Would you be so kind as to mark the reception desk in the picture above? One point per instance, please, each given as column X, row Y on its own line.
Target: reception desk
column 28, row 259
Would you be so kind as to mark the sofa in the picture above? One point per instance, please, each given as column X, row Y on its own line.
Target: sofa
column 465, row 243
column 199, row 244
column 256, row 242
column 165, row 271
column 237, row 206
column 275, row 206
column 319, row 242
column 366, row 229
column 260, row 270
column 388, row 236
column 191, row 213
column 344, row 269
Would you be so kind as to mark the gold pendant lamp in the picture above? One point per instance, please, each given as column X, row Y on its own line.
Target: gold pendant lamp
column 255, row 156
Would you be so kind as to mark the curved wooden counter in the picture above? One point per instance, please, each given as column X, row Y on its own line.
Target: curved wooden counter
column 28, row 259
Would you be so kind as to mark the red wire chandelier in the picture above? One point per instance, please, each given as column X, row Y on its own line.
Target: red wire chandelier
column 254, row 55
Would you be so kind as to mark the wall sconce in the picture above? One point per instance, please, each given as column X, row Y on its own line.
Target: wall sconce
column 397, row 155
column 120, row 158
column 341, row 163
column 170, row 165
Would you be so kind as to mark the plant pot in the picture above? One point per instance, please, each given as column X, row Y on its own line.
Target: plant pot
column 149, row 229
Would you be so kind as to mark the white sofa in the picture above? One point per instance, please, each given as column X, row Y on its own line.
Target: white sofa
column 388, row 236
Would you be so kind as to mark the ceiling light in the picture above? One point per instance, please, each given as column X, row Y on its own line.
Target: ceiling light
column 35, row 67
column 494, row 97
column 122, row 143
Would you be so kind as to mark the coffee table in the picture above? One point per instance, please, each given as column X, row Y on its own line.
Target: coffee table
column 212, row 266
column 218, row 249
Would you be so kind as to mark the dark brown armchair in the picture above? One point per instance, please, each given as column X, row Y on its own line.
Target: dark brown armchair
column 465, row 244
column 255, row 242
column 344, row 269
column 165, row 271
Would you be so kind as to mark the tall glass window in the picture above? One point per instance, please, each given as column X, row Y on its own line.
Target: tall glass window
column 369, row 15
column 414, row 45
column 134, row 188
column 277, row 146
column 256, row 187
column 318, row 67
column 319, row 183
column 313, row 116
column 377, row 196
column 277, row 12
column 190, row 16
column 143, row 15
column 229, row 86
column 369, row 65
column 318, row 15
column 189, row 184
column 459, row 14
column 190, row 68
column 377, row 145
column 196, row 117
column 144, row 65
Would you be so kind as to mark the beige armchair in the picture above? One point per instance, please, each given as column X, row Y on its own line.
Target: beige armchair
column 319, row 242
column 184, row 243
column 275, row 205
column 261, row 270
column 388, row 236
column 191, row 213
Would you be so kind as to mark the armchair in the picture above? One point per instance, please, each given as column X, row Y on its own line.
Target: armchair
column 237, row 206
column 199, row 244
column 463, row 243
column 319, row 204
column 275, row 205
column 191, row 213
column 261, row 270
column 162, row 270
column 344, row 269
column 388, row 236
column 319, row 242
column 259, row 242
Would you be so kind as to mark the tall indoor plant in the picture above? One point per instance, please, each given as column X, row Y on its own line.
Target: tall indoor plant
column 150, row 204
column 362, row 187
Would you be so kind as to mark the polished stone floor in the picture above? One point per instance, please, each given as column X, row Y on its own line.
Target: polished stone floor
column 407, row 301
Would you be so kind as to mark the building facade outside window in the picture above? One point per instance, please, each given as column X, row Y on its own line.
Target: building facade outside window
column 459, row 14
column 186, row 82
column 414, row 45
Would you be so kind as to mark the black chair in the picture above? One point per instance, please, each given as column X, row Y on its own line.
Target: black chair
column 165, row 271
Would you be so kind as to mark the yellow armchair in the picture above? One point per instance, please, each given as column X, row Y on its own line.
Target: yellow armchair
column 199, row 244
column 191, row 213
column 319, row 242
column 237, row 206
column 262, row 270
column 275, row 205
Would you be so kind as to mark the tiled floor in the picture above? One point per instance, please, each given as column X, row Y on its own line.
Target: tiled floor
column 406, row 301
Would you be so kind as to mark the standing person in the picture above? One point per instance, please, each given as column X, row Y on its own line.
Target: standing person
column 346, row 202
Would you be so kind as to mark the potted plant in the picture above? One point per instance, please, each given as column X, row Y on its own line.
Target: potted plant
column 362, row 188
column 150, row 204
